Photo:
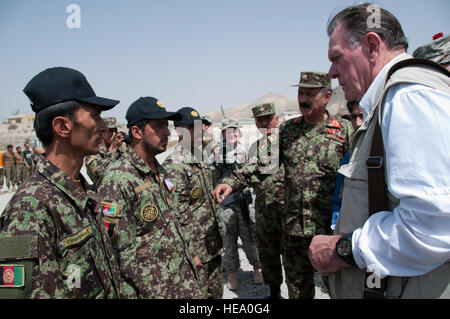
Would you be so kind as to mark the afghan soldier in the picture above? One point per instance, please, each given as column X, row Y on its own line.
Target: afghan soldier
column 269, row 189
column 197, row 210
column 142, row 221
column 53, row 243
column 110, row 150
column 20, row 166
column 28, row 161
column 234, row 211
column 2, row 172
column 311, row 147
column 9, row 163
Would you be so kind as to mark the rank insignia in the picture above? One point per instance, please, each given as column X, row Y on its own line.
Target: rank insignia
column 196, row 192
column 336, row 124
column 75, row 239
column 110, row 209
column 12, row 276
column 149, row 212
column 169, row 185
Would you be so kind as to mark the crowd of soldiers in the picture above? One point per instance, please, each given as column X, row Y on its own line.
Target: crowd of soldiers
column 16, row 167
column 146, row 229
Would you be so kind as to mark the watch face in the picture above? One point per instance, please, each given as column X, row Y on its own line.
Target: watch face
column 344, row 248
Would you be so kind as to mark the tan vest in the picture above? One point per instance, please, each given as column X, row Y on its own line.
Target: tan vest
column 349, row 282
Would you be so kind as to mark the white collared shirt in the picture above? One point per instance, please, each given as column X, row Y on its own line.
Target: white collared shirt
column 415, row 238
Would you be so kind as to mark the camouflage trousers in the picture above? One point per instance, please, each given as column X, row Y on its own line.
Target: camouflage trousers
column 20, row 173
column 234, row 226
column 27, row 172
column 268, row 240
column 10, row 175
column 211, row 279
column 298, row 269
column 2, row 177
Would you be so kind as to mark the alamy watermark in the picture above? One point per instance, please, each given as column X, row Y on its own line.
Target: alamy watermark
column 73, row 276
column 73, row 21
column 374, row 19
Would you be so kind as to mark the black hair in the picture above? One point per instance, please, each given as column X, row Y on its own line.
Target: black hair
column 44, row 118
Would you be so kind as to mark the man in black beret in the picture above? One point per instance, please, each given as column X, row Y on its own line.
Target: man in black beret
column 140, row 214
column 54, row 243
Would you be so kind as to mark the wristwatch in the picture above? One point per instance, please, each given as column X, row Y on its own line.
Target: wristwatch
column 344, row 249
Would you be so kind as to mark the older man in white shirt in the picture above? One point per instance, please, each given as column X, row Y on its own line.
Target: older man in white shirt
column 409, row 241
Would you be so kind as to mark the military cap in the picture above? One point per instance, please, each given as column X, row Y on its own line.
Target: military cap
column 226, row 123
column 60, row 84
column 314, row 80
column 188, row 116
column 148, row 108
column 110, row 122
column 437, row 51
column 263, row 109
column 206, row 119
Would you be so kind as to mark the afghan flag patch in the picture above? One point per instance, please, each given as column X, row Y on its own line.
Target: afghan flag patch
column 110, row 209
column 12, row 276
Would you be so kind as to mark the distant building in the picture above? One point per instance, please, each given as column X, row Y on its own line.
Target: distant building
column 23, row 118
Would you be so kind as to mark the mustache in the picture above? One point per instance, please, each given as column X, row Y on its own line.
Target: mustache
column 305, row 105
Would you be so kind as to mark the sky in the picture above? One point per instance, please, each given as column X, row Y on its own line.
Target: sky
column 198, row 53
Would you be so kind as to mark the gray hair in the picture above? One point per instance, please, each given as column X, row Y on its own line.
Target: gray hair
column 357, row 21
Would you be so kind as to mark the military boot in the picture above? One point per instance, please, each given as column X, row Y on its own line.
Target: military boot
column 233, row 280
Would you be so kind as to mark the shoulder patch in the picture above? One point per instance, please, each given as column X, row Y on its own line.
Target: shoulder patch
column 12, row 276
column 110, row 209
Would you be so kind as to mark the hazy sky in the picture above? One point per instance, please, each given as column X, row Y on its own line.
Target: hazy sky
column 199, row 53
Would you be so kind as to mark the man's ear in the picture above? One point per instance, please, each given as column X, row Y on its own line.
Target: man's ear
column 136, row 132
column 62, row 126
column 371, row 45
column 327, row 95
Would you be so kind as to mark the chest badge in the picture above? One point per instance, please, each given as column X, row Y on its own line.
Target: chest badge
column 196, row 192
column 149, row 212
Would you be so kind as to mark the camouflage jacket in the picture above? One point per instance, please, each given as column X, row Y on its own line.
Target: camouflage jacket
column 310, row 155
column 267, row 184
column 53, row 242
column 149, row 244
column 195, row 204
column 97, row 164
column 227, row 162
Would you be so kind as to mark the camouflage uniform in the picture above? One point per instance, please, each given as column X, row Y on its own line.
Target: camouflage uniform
column 28, row 158
column 146, row 234
column 2, row 171
column 198, row 216
column 49, row 227
column 310, row 155
column 9, row 163
column 437, row 51
column 97, row 164
column 20, row 168
column 234, row 223
column 269, row 200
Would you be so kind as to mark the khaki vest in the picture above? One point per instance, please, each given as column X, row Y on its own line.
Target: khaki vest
column 349, row 282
